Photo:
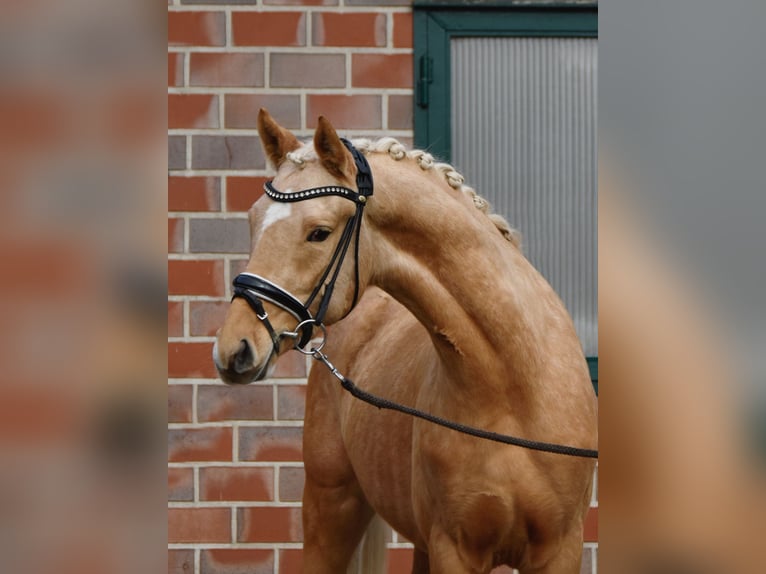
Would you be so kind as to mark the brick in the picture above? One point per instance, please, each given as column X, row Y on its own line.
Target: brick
column 208, row 69
column 243, row 192
column 237, row 266
column 198, row 445
column 273, row 524
column 180, row 484
column 227, row 152
column 224, row 2
column 590, row 529
column 400, row 111
column 34, row 119
column 291, row 365
column 196, row 278
column 378, row 2
column 399, row 560
column 241, row 110
column 269, row 28
column 279, row 444
column 191, row 360
column 176, row 152
column 290, row 560
column 196, row 28
column 175, row 319
column 228, row 483
column 291, row 481
column 291, row 402
column 199, row 525
column 594, row 493
column 242, row 402
column 181, row 561
column 180, row 403
column 35, row 417
column 206, row 317
column 43, row 264
column 402, row 35
column 175, row 69
column 131, row 118
column 353, row 29
column 236, row 561
column 175, row 235
column 308, row 70
column 301, row 2
column 407, row 142
column 381, row 70
column 219, row 235
column 194, row 193
column 346, row 112
column 192, row 111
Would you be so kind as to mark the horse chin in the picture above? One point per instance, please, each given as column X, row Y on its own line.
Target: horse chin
column 257, row 373
column 265, row 370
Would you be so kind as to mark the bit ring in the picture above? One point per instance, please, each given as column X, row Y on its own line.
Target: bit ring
column 313, row 349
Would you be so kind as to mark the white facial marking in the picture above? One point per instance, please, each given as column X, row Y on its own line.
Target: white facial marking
column 274, row 213
column 216, row 359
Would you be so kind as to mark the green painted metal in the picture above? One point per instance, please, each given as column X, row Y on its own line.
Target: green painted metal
column 593, row 368
column 546, row 4
column 434, row 27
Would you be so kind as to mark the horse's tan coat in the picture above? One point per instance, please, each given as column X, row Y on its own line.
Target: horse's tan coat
column 454, row 321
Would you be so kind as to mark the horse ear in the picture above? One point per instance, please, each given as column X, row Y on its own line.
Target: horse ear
column 276, row 140
column 332, row 153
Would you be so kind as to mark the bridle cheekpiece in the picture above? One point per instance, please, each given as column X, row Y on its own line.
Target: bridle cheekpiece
column 255, row 289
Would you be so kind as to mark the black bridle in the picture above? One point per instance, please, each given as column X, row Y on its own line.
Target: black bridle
column 255, row 289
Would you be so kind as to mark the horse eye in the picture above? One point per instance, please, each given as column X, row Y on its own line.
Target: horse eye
column 319, row 234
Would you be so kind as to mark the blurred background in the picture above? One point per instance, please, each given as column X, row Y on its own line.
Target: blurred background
column 83, row 395
column 82, row 244
column 682, row 140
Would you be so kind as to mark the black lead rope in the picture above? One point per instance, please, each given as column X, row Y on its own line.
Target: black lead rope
column 382, row 403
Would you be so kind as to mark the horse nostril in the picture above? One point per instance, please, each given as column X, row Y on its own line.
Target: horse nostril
column 243, row 359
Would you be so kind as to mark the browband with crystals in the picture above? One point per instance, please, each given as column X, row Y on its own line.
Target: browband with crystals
column 363, row 182
column 313, row 192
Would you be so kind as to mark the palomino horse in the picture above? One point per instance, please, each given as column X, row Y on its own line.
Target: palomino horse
column 453, row 320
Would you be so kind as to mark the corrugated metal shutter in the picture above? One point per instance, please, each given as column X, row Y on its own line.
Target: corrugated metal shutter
column 524, row 136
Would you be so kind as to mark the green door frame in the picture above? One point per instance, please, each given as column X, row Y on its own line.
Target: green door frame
column 434, row 26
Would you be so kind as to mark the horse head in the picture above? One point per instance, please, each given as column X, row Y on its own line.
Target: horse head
column 304, row 267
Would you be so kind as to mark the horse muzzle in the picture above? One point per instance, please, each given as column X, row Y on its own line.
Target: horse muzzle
column 238, row 362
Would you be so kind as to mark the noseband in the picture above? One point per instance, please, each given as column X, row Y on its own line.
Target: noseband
column 255, row 289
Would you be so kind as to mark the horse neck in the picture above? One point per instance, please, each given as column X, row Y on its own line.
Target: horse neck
column 478, row 297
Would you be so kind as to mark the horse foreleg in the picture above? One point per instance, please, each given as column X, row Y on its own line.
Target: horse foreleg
column 334, row 520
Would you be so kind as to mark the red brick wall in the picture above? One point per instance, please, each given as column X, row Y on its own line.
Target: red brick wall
column 235, row 475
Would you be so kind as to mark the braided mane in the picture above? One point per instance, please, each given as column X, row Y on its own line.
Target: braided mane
column 426, row 162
